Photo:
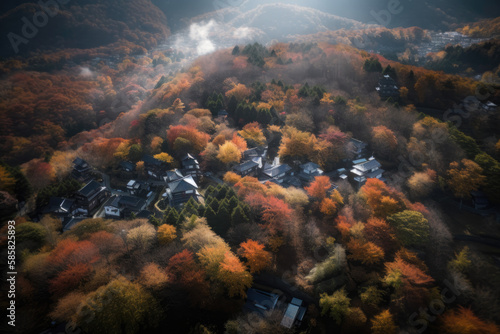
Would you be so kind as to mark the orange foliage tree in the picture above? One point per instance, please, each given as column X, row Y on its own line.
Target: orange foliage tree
column 384, row 141
column 232, row 273
column 365, row 252
column 382, row 199
column 257, row 258
column 197, row 140
column 319, row 187
column 464, row 321
column 253, row 134
column 381, row 234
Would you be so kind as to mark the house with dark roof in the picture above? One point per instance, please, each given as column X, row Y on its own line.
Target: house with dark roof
column 119, row 206
column 387, row 87
column 127, row 166
column 190, row 166
column 357, row 148
column 255, row 152
column 81, row 170
column 309, row 171
column 247, row 168
column 222, row 115
column 60, row 207
column 180, row 191
column 261, row 302
column 366, row 170
column 172, row 175
column 90, row 197
column 489, row 106
column 153, row 167
column 278, row 172
column 144, row 214
column 69, row 222
column 139, row 188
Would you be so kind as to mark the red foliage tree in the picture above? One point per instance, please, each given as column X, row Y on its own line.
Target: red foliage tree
column 381, row 234
column 107, row 243
column 69, row 252
column 69, row 279
column 276, row 213
column 184, row 270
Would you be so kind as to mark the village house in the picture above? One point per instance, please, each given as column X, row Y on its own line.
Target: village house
column 357, row 148
column 247, row 168
column 139, row 188
column 364, row 170
column 81, row 170
column 387, row 88
column 69, row 222
column 90, row 197
column 180, row 191
column 261, row 302
column 489, row 106
column 59, row 207
column 190, row 166
column 294, row 313
column 222, row 115
column 153, row 167
column 309, row 171
column 277, row 172
column 172, row 175
column 119, row 206
column 127, row 166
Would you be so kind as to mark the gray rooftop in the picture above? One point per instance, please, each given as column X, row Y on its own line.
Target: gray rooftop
column 184, row 184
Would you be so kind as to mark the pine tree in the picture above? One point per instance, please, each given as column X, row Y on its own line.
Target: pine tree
column 171, row 217
column 231, row 193
column 190, row 208
column 238, row 216
column 222, row 192
column 210, row 191
column 232, row 105
column 180, row 220
column 223, row 220
column 214, row 204
column 233, row 202
column 211, row 217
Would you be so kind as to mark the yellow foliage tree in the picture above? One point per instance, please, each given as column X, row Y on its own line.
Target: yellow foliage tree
column 166, row 233
column 165, row 157
column 383, row 323
column 229, row 153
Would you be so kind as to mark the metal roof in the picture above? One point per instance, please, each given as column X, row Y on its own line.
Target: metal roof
column 245, row 166
column 184, row 184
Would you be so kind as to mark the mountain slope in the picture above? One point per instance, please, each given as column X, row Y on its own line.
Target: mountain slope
column 83, row 24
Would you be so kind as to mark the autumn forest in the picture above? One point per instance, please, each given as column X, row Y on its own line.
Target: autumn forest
column 197, row 170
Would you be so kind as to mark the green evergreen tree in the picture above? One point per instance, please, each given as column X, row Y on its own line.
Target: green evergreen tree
column 211, row 217
column 233, row 202
column 238, row 216
column 214, row 204
column 171, row 217
column 223, row 220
